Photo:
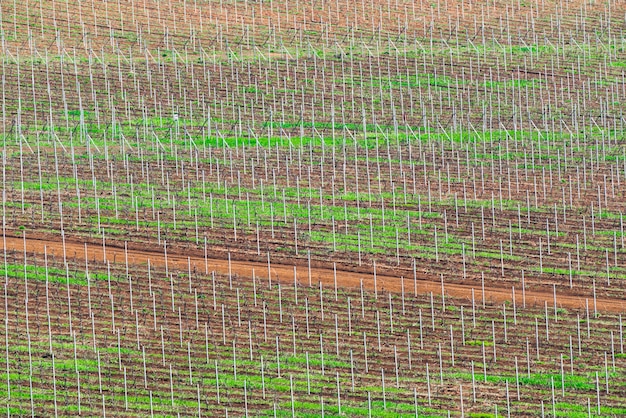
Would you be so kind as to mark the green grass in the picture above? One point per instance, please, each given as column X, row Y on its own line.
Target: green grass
column 543, row 380
column 53, row 274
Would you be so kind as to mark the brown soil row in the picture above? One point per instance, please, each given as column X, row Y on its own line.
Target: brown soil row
column 285, row 273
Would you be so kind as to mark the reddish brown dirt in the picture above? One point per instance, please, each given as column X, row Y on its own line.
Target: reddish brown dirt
column 285, row 273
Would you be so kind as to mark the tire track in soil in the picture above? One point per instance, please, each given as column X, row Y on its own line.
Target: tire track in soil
column 285, row 273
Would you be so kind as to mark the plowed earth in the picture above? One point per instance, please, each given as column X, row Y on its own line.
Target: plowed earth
column 285, row 273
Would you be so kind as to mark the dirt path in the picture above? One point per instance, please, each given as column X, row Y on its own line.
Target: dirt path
column 285, row 273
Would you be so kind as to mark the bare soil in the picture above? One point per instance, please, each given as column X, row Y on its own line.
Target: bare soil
column 285, row 273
